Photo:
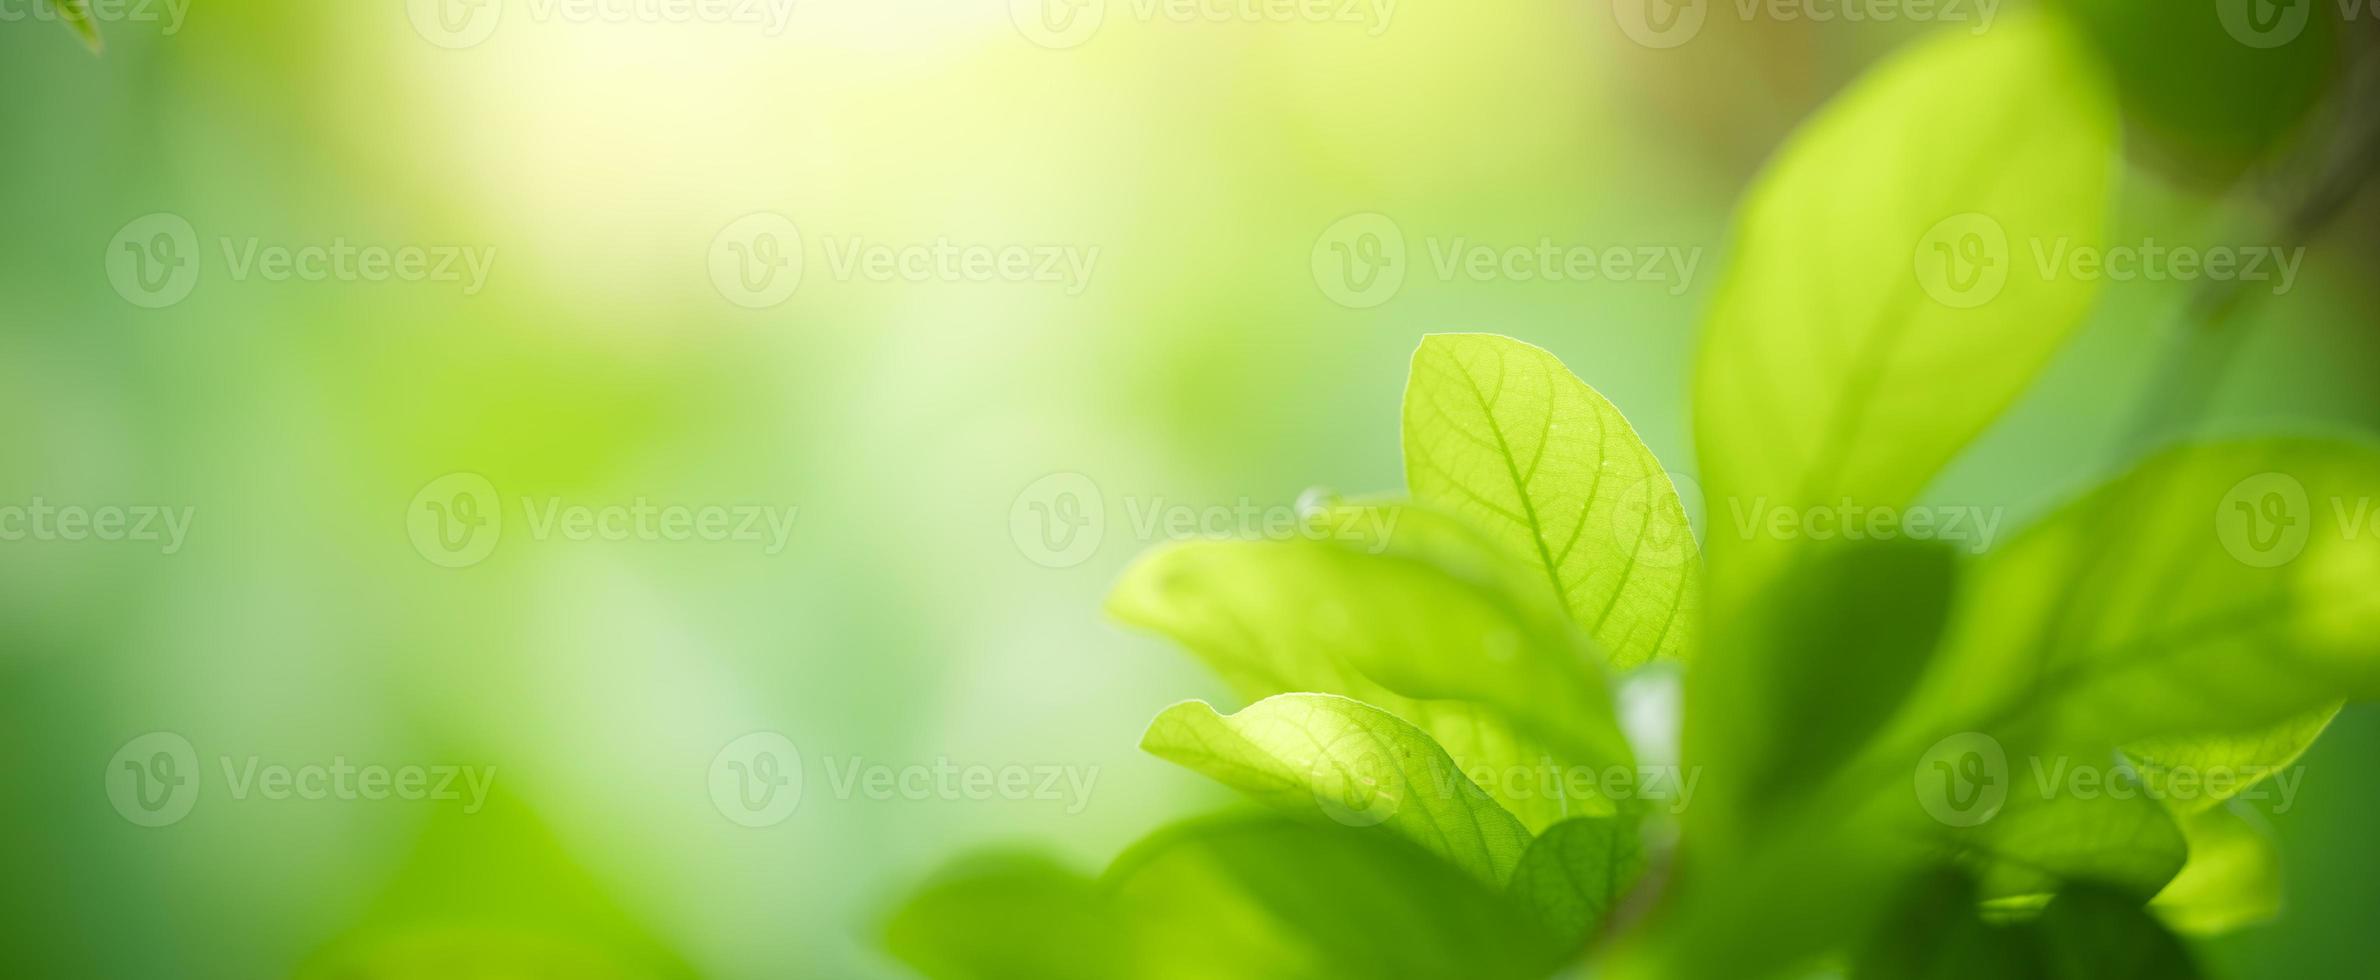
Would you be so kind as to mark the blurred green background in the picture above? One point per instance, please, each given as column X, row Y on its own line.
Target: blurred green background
column 908, row 619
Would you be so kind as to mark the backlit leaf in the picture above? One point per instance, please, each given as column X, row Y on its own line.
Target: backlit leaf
column 1327, row 758
column 1501, row 433
column 1885, row 302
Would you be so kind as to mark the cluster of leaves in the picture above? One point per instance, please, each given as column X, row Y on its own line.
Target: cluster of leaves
column 1541, row 559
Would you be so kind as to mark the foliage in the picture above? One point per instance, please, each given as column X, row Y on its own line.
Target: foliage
column 1397, row 683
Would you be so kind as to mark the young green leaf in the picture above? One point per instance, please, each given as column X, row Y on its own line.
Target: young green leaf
column 2233, row 879
column 1003, row 916
column 1324, row 756
column 1415, row 616
column 2053, row 836
column 2196, row 773
column 2216, row 588
column 1887, row 297
column 1501, row 433
column 1246, row 896
column 77, row 15
column 1574, row 873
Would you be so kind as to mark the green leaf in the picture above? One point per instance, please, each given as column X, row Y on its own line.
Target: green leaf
column 2096, row 934
column 77, row 15
column 1884, row 304
column 1412, row 612
column 2196, row 773
column 2044, row 842
column 1934, row 933
column 1827, row 655
column 1244, row 896
column 2215, row 589
column 1003, row 916
column 1263, row 898
column 1501, row 433
column 1326, row 757
column 2233, row 878
column 1576, row 872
